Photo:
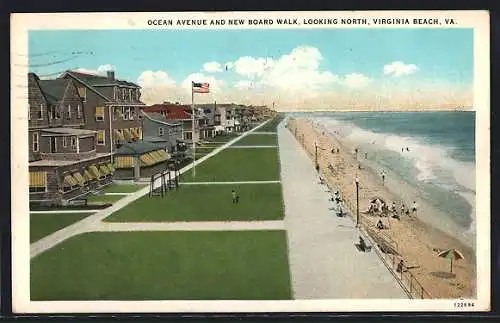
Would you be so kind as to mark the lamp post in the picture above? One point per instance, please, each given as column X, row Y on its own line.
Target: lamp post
column 357, row 201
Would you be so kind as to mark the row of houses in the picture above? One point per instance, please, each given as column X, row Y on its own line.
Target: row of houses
column 85, row 130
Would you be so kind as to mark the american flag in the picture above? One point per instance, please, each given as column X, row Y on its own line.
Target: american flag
column 201, row 87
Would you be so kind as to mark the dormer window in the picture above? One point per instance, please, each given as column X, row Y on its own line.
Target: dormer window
column 40, row 112
column 68, row 115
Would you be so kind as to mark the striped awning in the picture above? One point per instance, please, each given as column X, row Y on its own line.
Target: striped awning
column 87, row 175
column 104, row 170
column 70, row 181
column 127, row 134
column 38, row 179
column 94, row 171
column 79, row 178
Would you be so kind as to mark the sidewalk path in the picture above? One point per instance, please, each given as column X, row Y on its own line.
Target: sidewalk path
column 252, row 147
column 93, row 221
column 192, row 226
column 324, row 261
column 263, row 133
column 228, row 183
column 65, row 211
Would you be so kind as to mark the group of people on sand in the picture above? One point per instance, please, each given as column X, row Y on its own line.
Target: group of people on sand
column 379, row 207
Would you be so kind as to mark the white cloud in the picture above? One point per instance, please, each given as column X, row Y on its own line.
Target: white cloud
column 151, row 78
column 356, row 80
column 101, row 69
column 212, row 67
column 295, row 71
column 398, row 68
column 243, row 84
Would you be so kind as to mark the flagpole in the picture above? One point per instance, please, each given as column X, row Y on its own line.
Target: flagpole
column 192, row 134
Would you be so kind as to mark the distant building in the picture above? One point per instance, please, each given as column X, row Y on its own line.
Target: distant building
column 156, row 128
column 63, row 160
column 178, row 113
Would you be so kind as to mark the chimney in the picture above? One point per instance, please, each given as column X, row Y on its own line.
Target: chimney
column 111, row 75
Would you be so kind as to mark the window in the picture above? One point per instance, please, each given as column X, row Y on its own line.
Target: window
column 79, row 111
column 99, row 113
column 131, row 113
column 58, row 112
column 92, row 143
column 116, row 113
column 68, row 115
column 36, row 144
column 73, row 141
column 188, row 135
column 52, row 112
column 40, row 112
column 131, row 94
column 115, row 92
column 65, row 141
column 160, row 131
column 82, row 92
column 123, row 94
column 126, row 111
column 101, row 138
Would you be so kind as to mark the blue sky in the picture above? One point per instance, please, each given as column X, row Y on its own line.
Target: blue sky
column 438, row 55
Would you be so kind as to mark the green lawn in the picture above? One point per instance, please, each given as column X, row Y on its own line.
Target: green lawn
column 253, row 140
column 273, row 124
column 101, row 198
column 238, row 165
column 242, row 265
column 222, row 138
column 122, row 188
column 206, row 203
column 43, row 224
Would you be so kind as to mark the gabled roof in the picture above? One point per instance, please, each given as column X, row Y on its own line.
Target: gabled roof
column 137, row 148
column 98, row 80
column 174, row 111
column 53, row 89
column 94, row 82
column 159, row 118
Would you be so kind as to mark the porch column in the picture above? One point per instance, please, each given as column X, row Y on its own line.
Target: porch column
column 77, row 144
column 137, row 168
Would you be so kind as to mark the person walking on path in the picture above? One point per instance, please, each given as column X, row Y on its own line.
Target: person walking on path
column 383, row 177
column 236, row 198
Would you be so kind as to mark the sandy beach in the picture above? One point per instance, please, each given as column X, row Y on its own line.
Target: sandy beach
column 417, row 241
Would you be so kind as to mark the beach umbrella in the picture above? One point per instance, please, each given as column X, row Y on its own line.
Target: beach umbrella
column 452, row 254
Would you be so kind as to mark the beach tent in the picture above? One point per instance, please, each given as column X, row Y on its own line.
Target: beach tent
column 452, row 254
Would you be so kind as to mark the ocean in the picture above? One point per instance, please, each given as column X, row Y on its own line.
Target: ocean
column 432, row 153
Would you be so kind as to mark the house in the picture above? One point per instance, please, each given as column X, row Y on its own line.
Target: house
column 111, row 108
column 178, row 113
column 140, row 159
column 63, row 160
column 158, row 129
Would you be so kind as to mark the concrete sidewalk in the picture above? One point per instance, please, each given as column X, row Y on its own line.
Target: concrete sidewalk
column 324, row 261
column 192, row 226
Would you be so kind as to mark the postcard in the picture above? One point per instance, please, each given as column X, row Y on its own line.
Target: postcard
column 250, row 162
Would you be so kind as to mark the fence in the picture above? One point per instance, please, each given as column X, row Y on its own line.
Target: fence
column 386, row 248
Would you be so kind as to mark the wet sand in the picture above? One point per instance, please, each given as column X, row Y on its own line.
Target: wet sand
column 417, row 241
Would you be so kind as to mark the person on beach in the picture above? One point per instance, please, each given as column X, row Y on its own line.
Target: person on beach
column 366, row 155
column 414, row 208
column 383, row 177
column 338, row 150
column 401, row 266
column 236, row 198
column 380, row 225
column 393, row 207
column 403, row 208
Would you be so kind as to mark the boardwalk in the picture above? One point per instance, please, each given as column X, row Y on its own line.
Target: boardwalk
column 324, row 261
